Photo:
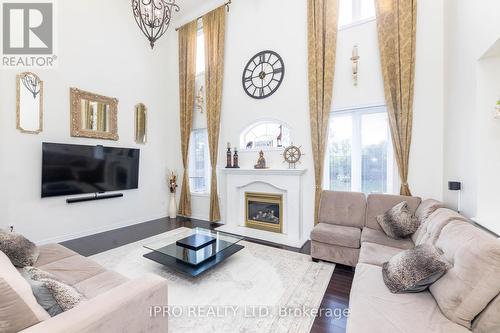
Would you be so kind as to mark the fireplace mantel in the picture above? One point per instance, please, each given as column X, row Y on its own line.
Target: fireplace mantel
column 235, row 183
column 286, row 172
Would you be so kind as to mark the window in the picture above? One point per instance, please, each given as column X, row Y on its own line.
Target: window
column 199, row 161
column 352, row 11
column 265, row 135
column 200, row 52
column 359, row 152
column 199, row 158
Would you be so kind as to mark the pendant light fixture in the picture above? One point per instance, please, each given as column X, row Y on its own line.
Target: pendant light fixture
column 153, row 17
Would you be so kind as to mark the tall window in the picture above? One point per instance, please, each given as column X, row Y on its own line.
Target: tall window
column 352, row 11
column 200, row 53
column 199, row 158
column 199, row 166
column 359, row 153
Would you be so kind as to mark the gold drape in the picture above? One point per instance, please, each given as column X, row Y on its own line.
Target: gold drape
column 187, row 75
column 396, row 25
column 322, row 42
column 214, row 26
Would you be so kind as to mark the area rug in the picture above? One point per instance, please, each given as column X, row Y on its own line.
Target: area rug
column 258, row 289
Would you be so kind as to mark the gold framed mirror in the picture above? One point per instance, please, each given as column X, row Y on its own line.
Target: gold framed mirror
column 93, row 116
column 29, row 103
column 141, row 120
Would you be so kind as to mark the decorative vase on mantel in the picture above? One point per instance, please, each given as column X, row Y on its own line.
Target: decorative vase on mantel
column 172, row 185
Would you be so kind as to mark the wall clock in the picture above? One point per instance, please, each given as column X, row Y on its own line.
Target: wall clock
column 263, row 74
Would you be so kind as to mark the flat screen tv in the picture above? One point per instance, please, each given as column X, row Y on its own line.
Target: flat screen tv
column 76, row 169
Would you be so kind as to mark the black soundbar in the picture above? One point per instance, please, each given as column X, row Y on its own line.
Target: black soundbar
column 94, row 197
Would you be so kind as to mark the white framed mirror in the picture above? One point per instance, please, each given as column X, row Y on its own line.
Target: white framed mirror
column 29, row 103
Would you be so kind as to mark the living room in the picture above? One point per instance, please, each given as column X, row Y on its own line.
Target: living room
column 260, row 166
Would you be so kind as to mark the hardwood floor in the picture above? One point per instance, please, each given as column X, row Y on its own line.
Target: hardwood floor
column 336, row 296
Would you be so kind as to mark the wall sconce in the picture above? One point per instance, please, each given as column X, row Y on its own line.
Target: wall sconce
column 355, row 61
column 200, row 100
column 456, row 186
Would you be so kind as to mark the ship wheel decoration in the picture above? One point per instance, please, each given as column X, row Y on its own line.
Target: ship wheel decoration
column 292, row 155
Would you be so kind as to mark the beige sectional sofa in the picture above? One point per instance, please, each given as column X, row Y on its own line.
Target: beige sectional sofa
column 465, row 299
column 114, row 303
column 347, row 219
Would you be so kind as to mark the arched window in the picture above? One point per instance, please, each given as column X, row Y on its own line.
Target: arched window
column 267, row 134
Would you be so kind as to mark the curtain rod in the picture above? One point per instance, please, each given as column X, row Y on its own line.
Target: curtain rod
column 199, row 17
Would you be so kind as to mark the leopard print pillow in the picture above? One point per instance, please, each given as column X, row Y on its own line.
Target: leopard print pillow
column 20, row 250
column 53, row 295
column 398, row 222
column 414, row 270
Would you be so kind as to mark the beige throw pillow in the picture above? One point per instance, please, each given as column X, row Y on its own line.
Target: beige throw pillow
column 398, row 222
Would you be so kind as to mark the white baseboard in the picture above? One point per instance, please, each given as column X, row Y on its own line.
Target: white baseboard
column 196, row 217
column 94, row 231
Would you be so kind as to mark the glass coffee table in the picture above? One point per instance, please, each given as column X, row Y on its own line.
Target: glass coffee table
column 194, row 251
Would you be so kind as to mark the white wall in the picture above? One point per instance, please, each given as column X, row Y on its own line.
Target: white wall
column 488, row 88
column 3, row 162
column 426, row 156
column 102, row 51
column 287, row 35
column 471, row 28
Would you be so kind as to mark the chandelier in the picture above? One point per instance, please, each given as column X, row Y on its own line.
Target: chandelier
column 153, row 17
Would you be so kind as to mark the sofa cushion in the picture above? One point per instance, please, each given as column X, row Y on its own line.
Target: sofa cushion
column 489, row 320
column 18, row 307
column 343, row 208
column 473, row 281
column 376, row 254
column 398, row 222
column 21, row 251
column 378, row 204
column 379, row 237
column 337, row 235
column 334, row 253
column 375, row 309
column 414, row 270
column 426, row 208
column 53, row 252
column 74, row 269
column 429, row 231
column 100, row 283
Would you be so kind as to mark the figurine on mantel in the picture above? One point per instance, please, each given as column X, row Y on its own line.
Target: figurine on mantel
column 261, row 162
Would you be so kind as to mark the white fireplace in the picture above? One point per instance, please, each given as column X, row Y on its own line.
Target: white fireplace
column 236, row 184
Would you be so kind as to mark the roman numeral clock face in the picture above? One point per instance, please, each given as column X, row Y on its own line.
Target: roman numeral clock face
column 263, row 74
